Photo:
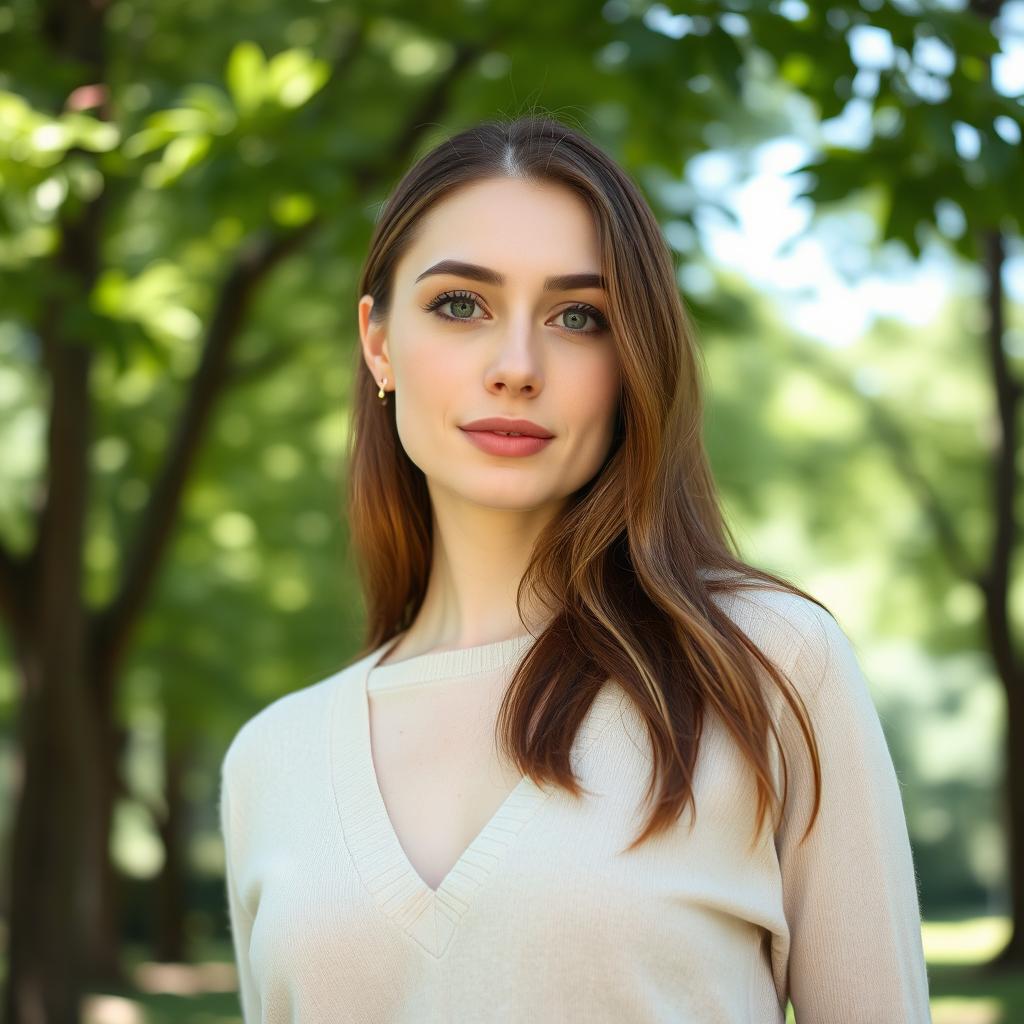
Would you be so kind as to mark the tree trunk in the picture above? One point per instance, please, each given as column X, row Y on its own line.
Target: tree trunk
column 996, row 587
column 172, row 892
column 1011, row 957
column 63, row 907
column 104, row 930
column 55, row 792
column 996, row 582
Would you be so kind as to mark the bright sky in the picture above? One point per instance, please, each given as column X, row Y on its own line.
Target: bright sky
column 819, row 299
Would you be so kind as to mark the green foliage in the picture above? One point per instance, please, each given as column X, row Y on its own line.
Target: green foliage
column 213, row 126
column 911, row 158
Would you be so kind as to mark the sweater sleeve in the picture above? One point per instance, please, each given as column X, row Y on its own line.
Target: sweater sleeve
column 849, row 891
column 239, row 917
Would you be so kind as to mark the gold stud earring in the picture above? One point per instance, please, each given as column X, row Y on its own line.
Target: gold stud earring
column 380, row 392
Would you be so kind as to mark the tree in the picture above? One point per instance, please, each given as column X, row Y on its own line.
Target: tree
column 914, row 167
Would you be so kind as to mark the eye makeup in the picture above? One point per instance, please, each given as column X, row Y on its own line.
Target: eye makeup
column 463, row 296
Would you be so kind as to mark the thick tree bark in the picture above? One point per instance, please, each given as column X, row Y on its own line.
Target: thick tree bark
column 49, row 906
column 53, row 824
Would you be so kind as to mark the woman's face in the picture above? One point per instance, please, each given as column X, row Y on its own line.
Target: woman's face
column 523, row 348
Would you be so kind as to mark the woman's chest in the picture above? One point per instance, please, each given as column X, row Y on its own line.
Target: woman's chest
column 438, row 768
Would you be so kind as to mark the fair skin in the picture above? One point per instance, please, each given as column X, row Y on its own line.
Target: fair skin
column 516, row 350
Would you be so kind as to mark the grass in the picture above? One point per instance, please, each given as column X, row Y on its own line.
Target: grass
column 960, row 995
column 204, row 992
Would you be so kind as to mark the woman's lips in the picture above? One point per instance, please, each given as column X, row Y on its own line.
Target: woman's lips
column 501, row 444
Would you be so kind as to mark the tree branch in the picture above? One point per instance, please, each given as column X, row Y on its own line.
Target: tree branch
column 424, row 113
column 899, row 445
column 253, row 263
column 114, row 622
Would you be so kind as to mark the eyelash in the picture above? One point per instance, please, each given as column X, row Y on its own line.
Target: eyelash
column 580, row 307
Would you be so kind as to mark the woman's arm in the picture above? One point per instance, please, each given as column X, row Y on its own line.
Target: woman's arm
column 850, row 891
column 240, row 918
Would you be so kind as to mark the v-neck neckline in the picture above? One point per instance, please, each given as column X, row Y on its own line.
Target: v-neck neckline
column 429, row 916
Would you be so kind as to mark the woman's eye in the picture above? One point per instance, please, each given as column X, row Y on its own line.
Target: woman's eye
column 463, row 303
column 577, row 317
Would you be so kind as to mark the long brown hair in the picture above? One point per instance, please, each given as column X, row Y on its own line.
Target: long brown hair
column 632, row 562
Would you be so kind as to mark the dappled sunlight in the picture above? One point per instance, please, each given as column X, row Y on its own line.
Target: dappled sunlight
column 971, row 941
column 102, row 1009
column 961, row 992
column 188, row 196
column 185, row 979
column 967, row 1011
column 201, row 993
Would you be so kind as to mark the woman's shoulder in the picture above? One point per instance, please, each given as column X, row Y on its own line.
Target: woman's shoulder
column 779, row 617
column 281, row 727
column 799, row 635
column 811, row 647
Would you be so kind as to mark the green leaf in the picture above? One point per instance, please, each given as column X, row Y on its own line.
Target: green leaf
column 246, row 76
column 293, row 209
column 178, row 121
column 293, row 76
column 91, row 133
column 797, row 69
column 181, row 154
column 145, row 141
column 219, row 115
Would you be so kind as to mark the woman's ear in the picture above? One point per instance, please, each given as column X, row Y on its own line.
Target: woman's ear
column 374, row 342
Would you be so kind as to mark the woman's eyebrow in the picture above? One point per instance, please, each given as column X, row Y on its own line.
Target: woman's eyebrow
column 558, row 283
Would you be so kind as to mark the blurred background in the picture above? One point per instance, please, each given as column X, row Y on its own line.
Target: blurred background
column 187, row 191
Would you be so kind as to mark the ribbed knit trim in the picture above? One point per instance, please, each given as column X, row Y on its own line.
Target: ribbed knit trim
column 462, row 661
column 426, row 915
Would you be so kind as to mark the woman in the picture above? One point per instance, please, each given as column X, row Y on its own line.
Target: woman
column 481, row 817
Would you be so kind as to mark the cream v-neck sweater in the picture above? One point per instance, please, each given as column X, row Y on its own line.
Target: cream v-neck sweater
column 542, row 918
